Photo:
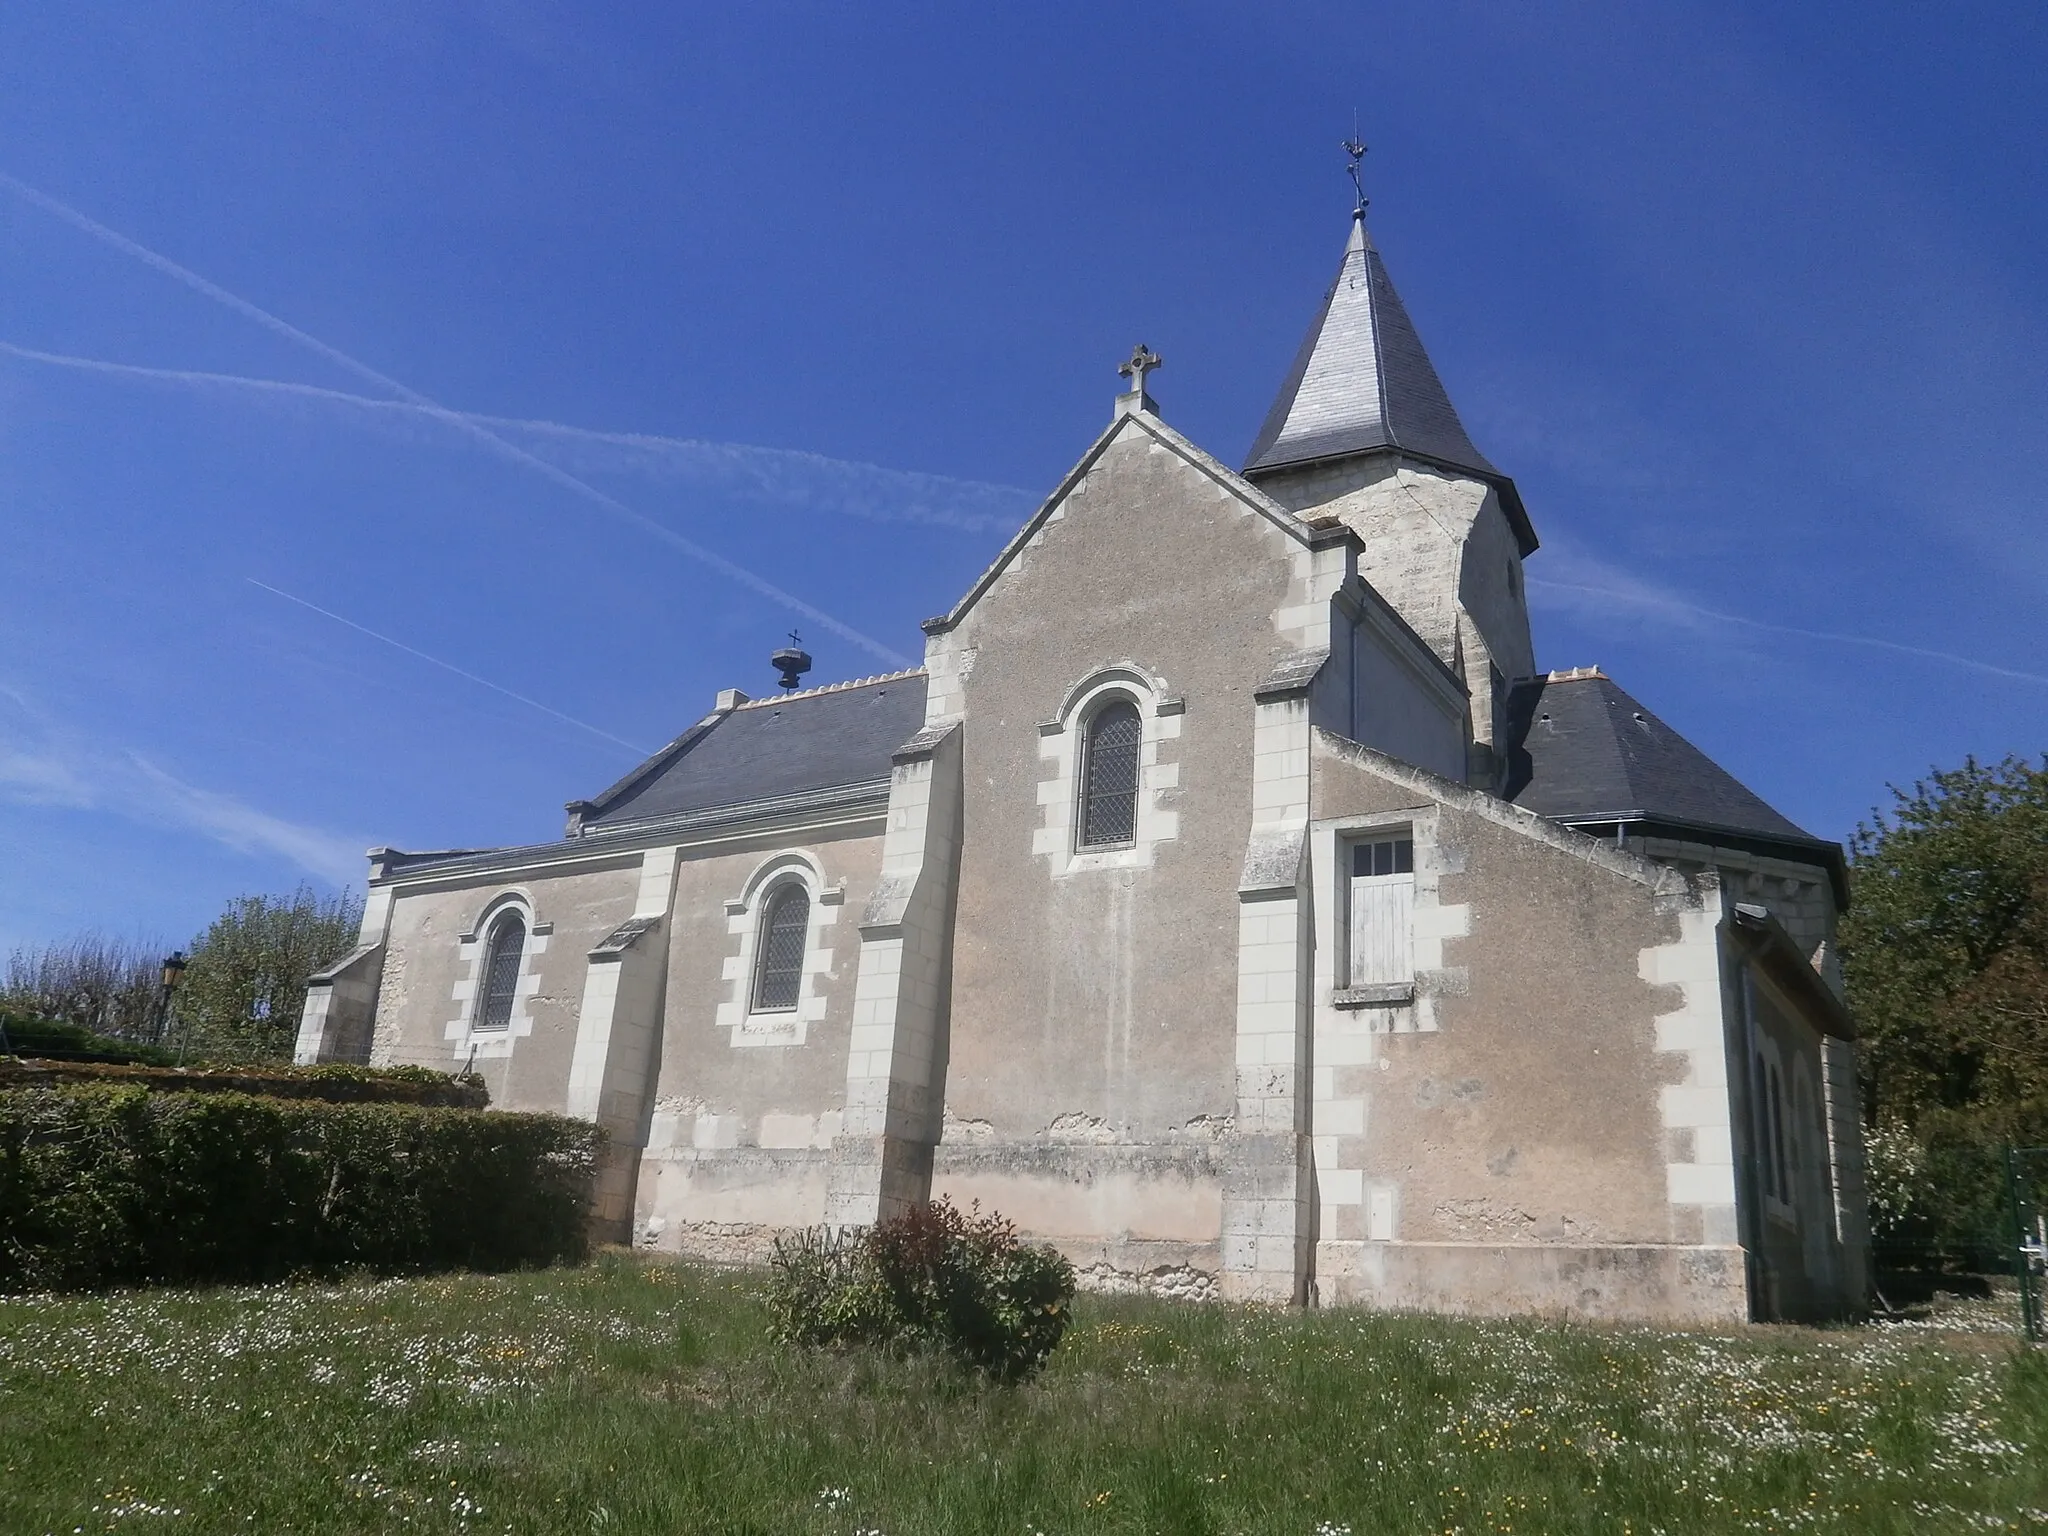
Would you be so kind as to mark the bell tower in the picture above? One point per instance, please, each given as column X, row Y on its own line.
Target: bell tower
column 1363, row 433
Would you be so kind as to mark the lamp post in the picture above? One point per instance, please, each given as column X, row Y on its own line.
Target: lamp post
column 174, row 971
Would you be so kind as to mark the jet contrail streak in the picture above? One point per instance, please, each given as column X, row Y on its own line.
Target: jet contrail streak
column 449, row 666
column 910, row 488
column 1792, row 629
column 263, row 317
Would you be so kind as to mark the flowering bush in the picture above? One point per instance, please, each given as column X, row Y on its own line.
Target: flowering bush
column 934, row 1277
column 1895, row 1170
column 118, row 1185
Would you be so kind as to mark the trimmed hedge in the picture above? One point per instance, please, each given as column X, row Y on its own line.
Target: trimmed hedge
column 116, row 1185
column 334, row 1082
column 53, row 1040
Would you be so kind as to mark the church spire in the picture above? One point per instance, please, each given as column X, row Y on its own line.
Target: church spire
column 1362, row 380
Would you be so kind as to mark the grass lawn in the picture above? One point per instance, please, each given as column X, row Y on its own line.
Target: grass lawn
column 633, row 1397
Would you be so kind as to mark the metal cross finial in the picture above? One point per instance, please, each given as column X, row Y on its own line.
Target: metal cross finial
column 1355, row 148
column 1143, row 361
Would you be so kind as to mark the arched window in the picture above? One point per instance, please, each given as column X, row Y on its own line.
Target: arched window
column 501, row 972
column 1763, row 1128
column 779, row 964
column 1109, row 776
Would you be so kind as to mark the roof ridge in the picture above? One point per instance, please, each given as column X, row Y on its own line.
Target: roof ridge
column 851, row 682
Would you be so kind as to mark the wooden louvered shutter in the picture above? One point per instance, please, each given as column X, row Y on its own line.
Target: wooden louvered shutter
column 1382, row 912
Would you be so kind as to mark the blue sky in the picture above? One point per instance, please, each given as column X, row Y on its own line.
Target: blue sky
column 568, row 350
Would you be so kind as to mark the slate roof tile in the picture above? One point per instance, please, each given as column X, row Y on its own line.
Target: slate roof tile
column 1584, row 750
column 823, row 738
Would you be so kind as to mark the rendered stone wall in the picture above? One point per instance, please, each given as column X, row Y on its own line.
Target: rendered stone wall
column 1395, row 711
column 1512, row 1139
column 429, row 980
column 1091, row 1091
column 739, row 1137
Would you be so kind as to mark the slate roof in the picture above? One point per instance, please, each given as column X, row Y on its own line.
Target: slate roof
column 1362, row 382
column 1362, row 379
column 767, row 749
column 1583, row 750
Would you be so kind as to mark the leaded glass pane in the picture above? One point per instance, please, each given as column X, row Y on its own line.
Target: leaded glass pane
column 1109, row 793
column 781, row 971
column 501, row 973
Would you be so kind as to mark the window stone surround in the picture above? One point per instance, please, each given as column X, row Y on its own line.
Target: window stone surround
column 474, row 949
column 1060, row 746
column 743, row 923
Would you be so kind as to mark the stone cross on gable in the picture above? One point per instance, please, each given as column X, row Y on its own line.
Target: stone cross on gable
column 1143, row 361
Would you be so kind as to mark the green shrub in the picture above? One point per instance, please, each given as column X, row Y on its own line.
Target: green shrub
column 1939, row 1197
column 934, row 1277
column 116, row 1185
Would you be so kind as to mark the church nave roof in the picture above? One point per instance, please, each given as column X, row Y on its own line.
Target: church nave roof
column 769, row 749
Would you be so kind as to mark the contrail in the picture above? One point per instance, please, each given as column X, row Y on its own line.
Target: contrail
column 455, row 419
column 849, row 485
column 449, row 666
column 1792, row 629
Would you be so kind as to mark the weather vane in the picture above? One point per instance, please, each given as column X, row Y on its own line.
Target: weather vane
column 1355, row 148
column 792, row 661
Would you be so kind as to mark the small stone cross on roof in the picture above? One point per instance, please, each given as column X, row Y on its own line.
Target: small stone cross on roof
column 1143, row 361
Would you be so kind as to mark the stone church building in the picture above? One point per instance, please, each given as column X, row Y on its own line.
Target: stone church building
column 1266, row 927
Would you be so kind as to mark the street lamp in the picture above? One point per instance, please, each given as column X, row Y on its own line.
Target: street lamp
column 174, row 971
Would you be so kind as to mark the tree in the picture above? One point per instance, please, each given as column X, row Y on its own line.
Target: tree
column 1945, row 948
column 1945, row 952
column 246, row 984
column 107, row 986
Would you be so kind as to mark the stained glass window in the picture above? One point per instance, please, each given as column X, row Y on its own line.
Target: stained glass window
column 779, row 973
column 501, row 972
column 1109, row 776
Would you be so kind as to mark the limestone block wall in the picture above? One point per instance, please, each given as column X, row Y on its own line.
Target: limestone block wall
column 1545, row 1125
column 1439, row 547
column 896, row 1061
column 339, row 1018
column 1797, row 895
column 618, row 1035
column 746, row 1106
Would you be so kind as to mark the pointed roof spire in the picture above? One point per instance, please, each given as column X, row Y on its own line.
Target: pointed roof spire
column 1362, row 380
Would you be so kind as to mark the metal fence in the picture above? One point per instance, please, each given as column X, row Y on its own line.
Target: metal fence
column 2026, row 1180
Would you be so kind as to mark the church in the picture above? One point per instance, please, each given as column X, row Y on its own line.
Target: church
column 1259, row 923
